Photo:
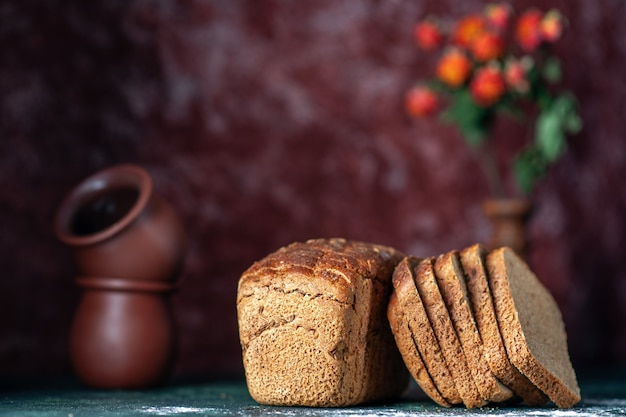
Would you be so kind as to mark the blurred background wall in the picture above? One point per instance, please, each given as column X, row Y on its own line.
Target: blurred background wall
column 270, row 121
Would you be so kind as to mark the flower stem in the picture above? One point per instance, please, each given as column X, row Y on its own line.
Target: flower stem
column 485, row 155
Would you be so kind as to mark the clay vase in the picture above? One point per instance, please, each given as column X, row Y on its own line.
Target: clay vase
column 123, row 333
column 508, row 218
column 118, row 227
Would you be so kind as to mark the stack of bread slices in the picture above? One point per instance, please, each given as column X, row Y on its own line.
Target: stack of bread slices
column 333, row 322
column 477, row 327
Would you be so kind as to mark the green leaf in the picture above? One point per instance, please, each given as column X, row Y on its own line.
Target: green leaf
column 474, row 135
column 549, row 137
column 529, row 167
column 573, row 123
column 472, row 120
column 552, row 70
column 556, row 119
column 565, row 106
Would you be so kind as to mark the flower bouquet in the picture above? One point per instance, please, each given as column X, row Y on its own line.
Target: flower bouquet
column 498, row 64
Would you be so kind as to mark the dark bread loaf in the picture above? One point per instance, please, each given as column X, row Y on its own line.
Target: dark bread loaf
column 317, row 322
column 313, row 325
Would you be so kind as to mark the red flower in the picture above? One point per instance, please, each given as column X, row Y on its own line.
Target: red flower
column 498, row 15
column 485, row 69
column 468, row 29
column 427, row 35
column 487, row 46
column 528, row 30
column 488, row 85
column 515, row 74
column 453, row 68
column 552, row 26
column 421, row 101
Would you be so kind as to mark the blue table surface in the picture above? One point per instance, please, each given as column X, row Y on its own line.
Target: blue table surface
column 603, row 395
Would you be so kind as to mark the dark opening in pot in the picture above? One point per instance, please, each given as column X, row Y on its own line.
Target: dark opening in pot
column 119, row 228
column 103, row 205
column 103, row 210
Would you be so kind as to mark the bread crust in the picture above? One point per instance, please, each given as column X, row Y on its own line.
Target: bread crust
column 441, row 323
column 451, row 281
column 416, row 340
column 532, row 327
column 332, row 322
column 472, row 260
column 313, row 326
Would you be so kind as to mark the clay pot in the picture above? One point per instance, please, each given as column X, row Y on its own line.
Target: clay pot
column 118, row 227
column 508, row 217
column 123, row 333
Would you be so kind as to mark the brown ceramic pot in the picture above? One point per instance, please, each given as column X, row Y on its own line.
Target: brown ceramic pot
column 508, row 218
column 118, row 227
column 123, row 333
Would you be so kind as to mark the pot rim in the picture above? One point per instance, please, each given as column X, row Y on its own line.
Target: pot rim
column 125, row 285
column 507, row 206
column 112, row 177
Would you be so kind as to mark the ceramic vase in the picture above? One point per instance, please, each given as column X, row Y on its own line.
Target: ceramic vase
column 123, row 336
column 119, row 227
column 129, row 246
column 508, row 220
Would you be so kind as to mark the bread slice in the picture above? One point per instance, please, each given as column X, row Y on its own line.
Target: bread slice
column 313, row 325
column 441, row 323
column 532, row 327
column 415, row 338
column 472, row 261
column 451, row 281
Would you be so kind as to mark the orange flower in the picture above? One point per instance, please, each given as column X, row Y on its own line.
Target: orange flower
column 468, row 29
column 528, row 30
column 487, row 46
column 498, row 15
column 488, row 85
column 427, row 35
column 421, row 101
column 453, row 68
column 552, row 26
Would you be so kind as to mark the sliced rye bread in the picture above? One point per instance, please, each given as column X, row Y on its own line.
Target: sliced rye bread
column 407, row 345
column 451, row 281
column 441, row 323
column 532, row 327
column 405, row 301
column 472, row 261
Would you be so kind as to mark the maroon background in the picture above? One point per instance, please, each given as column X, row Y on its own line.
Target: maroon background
column 266, row 122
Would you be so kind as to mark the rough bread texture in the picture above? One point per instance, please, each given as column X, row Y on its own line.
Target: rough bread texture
column 451, row 281
column 532, row 327
column 313, row 325
column 441, row 323
column 472, row 261
column 413, row 334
